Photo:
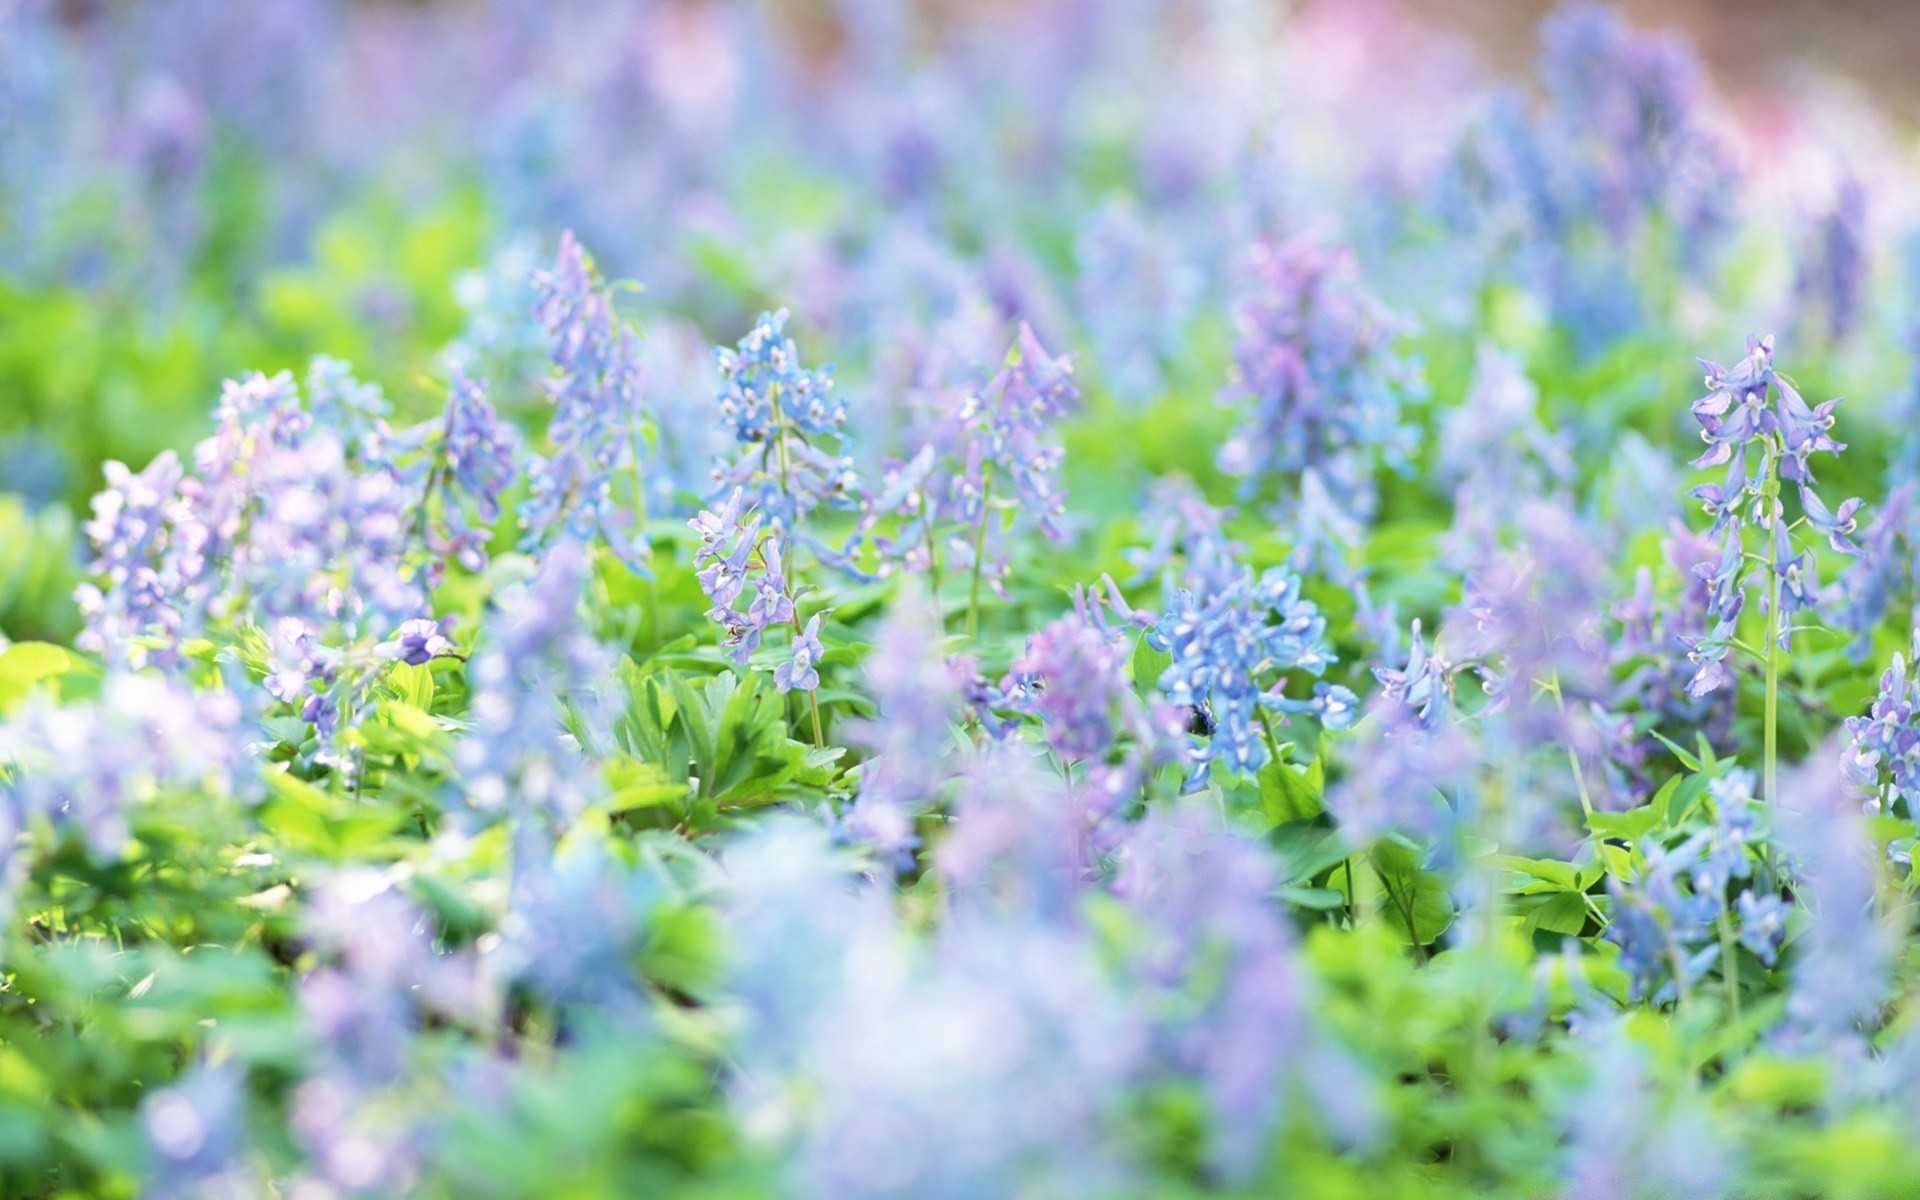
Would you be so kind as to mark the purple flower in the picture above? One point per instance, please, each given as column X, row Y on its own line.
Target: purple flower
column 800, row 671
column 1321, row 385
column 417, row 642
column 596, row 436
column 1750, row 410
column 986, row 466
column 1882, row 758
column 1230, row 645
column 472, row 464
column 538, row 680
column 917, row 692
column 1832, row 275
column 196, row 1135
column 1842, row 959
column 781, row 415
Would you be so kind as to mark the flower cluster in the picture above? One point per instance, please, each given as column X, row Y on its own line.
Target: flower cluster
column 1322, row 385
column 1882, row 759
column 597, row 434
column 1621, row 153
column 1667, row 933
column 471, row 454
column 82, row 768
column 538, row 700
column 1751, row 410
column 1650, row 661
column 781, row 414
column 989, row 464
column 738, row 557
column 1137, row 292
column 306, row 521
column 1232, row 642
column 1832, row 275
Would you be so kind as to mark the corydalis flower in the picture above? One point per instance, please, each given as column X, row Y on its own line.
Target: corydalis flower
column 1832, row 275
column 1321, row 386
column 740, row 560
column 1884, row 571
column 1649, row 648
column 1751, row 410
column 82, row 768
column 1882, row 759
column 304, row 521
column 471, row 455
column 1073, row 676
column 781, row 415
column 988, row 466
column 596, row 437
column 1137, row 292
column 917, row 693
column 1231, row 644
column 537, row 683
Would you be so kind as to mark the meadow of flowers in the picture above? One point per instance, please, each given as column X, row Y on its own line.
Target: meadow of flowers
column 1324, row 633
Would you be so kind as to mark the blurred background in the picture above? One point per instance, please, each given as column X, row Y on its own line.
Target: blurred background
column 193, row 189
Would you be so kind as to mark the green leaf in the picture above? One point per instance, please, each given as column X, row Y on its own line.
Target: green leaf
column 1687, row 760
column 1292, row 794
column 26, row 664
column 1148, row 665
column 1564, row 913
column 1306, row 849
column 311, row 821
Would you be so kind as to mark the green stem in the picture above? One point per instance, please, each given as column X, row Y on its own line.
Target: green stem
column 651, row 597
column 979, row 545
column 1730, row 965
column 1573, row 757
column 1771, row 752
column 793, row 557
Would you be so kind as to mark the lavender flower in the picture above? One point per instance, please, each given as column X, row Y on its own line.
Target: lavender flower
column 737, row 558
column 1883, row 571
column 1882, row 759
column 597, row 434
column 800, row 672
column 1630, row 1135
column 1666, row 934
column 917, row 693
column 779, row 413
column 1320, row 381
column 1073, row 676
column 1137, row 292
column 536, row 682
column 1751, row 409
column 134, row 523
column 1832, row 274
column 472, row 465
column 1241, row 1021
column 196, row 1136
column 950, row 501
column 1014, row 441
column 1840, row 962
column 1650, row 648
column 1230, row 645
column 83, row 767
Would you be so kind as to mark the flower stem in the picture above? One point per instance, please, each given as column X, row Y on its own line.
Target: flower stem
column 1771, row 753
column 793, row 553
column 979, row 545
column 1730, row 965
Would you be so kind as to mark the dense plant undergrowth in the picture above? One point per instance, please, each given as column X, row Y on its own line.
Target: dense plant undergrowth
column 1269, row 669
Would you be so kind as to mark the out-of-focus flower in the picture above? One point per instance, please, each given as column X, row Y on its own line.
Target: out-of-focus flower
column 538, row 679
column 1322, row 387
column 1832, row 276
